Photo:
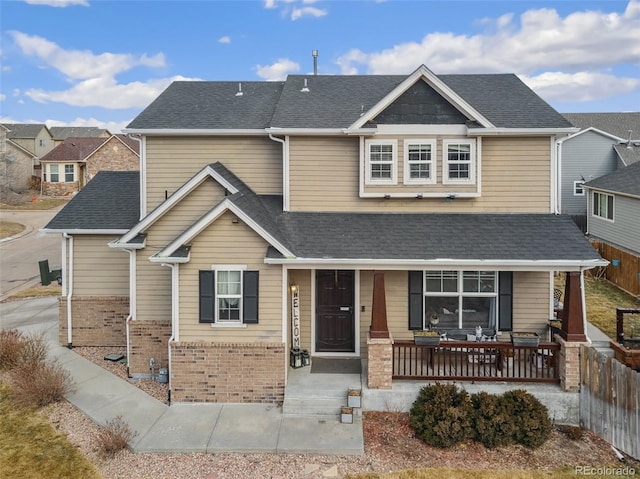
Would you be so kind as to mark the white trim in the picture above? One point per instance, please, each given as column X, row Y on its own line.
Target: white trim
column 235, row 323
column 613, row 206
column 230, row 324
column 394, row 162
column 312, row 312
column 519, row 131
column 581, row 183
column 436, row 264
column 479, row 166
column 424, row 130
column 611, row 192
column 83, row 232
column 426, row 75
column 193, row 132
column 309, row 131
column 422, row 194
column 182, row 192
column 209, row 218
column 445, row 161
column 117, row 245
column 433, row 162
column 285, row 170
column 133, row 287
column 285, row 302
column 594, row 130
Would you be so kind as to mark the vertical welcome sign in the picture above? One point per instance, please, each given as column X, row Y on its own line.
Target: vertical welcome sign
column 295, row 317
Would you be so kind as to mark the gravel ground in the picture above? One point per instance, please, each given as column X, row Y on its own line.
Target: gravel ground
column 389, row 445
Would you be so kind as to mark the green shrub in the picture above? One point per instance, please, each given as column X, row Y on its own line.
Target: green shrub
column 493, row 424
column 530, row 416
column 441, row 415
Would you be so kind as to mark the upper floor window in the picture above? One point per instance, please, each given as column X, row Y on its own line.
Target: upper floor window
column 420, row 165
column 68, row 173
column 578, row 190
column 42, row 142
column 382, row 161
column 458, row 161
column 54, row 174
column 603, row 205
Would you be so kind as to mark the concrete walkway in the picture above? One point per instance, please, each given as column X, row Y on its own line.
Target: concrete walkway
column 212, row 428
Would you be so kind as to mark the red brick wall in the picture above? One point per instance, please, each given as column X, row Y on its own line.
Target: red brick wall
column 148, row 339
column 59, row 189
column 232, row 373
column 96, row 320
column 114, row 156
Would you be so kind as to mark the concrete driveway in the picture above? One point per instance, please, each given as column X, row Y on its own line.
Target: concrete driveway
column 19, row 255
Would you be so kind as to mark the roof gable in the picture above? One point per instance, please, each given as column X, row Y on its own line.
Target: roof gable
column 25, row 130
column 615, row 123
column 624, row 181
column 74, row 149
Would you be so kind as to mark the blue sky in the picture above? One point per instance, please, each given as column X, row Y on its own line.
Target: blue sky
column 100, row 62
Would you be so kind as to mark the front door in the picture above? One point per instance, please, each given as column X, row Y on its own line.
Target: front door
column 335, row 318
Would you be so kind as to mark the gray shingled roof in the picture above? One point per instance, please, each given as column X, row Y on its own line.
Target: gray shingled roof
column 24, row 130
column 331, row 102
column 110, row 201
column 74, row 149
column 624, row 180
column 436, row 236
column 211, row 105
column 617, row 124
column 628, row 155
column 63, row 132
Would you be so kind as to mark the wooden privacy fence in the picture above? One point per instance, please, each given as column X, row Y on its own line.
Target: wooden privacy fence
column 624, row 267
column 610, row 400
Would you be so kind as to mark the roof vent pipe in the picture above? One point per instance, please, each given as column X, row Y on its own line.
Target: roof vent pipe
column 305, row 88
column 239, row 90
column 629, row 144
column 314, row 54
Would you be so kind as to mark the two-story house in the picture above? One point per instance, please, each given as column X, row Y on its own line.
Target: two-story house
column 21, row 147
column 336, row 214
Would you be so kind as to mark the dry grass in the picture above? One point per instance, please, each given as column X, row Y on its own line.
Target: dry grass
column 31, row 448
column 54, row 289
column 603, row 297
column 7, row 229
column 41, row 203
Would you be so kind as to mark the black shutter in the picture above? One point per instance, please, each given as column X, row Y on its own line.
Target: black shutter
column 250, row 297
column 207, row 296
column 416, row 300
column 505, row 295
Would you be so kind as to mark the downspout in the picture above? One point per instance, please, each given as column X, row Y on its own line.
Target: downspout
column 584, row 305
column 175, row 335
column 69, row 282
column 285, row 171
column 132, row 301
column 557, row 178
column 143, row 174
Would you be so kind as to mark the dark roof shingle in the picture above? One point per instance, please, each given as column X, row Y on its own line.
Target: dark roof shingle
column 624, row 180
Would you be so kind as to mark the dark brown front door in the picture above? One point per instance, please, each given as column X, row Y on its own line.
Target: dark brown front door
column 335, row 320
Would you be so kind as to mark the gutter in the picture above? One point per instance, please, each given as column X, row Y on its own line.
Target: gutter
column 69, row 282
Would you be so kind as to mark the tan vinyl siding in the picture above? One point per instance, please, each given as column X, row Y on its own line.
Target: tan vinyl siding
column 228, row 243
column 172, row 161
column 514, row 177
column 97, row 269
column 531, row 302
column 154, row 280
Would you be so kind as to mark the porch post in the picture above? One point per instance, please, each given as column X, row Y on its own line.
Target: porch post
column 572, row 313
column 379, row 327
column 379, row 341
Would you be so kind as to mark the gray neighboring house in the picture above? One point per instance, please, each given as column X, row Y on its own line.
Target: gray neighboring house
column 614, row 206
column 21, row 146
column 605, row 142
column 61, row 133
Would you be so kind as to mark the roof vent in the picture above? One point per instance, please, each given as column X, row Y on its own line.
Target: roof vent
column 629, row 144
column 305, row 88
column 239, row 90
column 361, row 110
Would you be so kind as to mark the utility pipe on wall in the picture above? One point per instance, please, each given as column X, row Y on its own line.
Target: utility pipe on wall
column 69, row 289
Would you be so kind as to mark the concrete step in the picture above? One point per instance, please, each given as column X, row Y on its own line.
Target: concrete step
column 316, row 406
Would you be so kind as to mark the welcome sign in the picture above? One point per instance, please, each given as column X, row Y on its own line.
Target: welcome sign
column 295, row 317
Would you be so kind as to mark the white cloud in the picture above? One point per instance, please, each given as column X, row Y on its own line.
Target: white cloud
column 580, row 49
column 77, row 64
column 298, row 13
column 93, row 77
column 293, row 9
column 58, row 3
column 277, row 71
column 225, row 39
column 106, row 93
column 3, row 97
column 580, row 86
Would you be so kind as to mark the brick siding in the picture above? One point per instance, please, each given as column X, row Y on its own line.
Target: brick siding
column 227, row 373
column 569, row 364
column 379, row 363
column 96, row 320
column 59, row 189
column 148, row 339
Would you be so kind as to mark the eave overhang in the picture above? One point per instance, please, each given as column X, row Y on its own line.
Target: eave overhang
column 194, row 132
column 84, row 231
column 520, row 131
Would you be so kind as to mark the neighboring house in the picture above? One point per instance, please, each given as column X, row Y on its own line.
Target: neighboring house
column 614, row 218
column 61, row 133
column 22, row 147
column 599, row 148
column 337, row 214
column 71, row 165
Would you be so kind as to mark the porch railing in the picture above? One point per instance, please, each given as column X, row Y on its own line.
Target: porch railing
column 473, row 361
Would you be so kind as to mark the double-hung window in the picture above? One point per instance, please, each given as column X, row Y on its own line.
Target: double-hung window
column 419, row 161
column 54, row 174
column 458, row 161
column 68, row 173
column 228, row 295
column 382, row 164
column 461, row 299
column 603, row 205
